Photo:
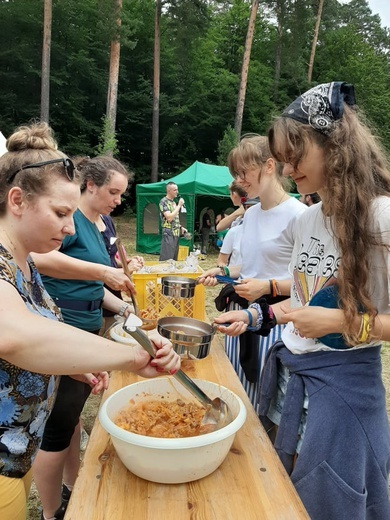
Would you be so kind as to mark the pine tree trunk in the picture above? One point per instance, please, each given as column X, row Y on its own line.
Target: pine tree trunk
column 245, row 69
column 45, row 80
column 280, row 15
column 315, row 39
column 112, row 93
column 156, row 94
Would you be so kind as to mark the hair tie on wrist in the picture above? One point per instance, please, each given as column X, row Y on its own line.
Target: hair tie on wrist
column 249, row 316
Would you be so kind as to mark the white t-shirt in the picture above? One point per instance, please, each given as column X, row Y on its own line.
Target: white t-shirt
column 268, row 240
column 232, row 243
column 315, row 264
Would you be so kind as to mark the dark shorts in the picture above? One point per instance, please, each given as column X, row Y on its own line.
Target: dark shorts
column 169, row 245
column 60, row 426
column 65, row 415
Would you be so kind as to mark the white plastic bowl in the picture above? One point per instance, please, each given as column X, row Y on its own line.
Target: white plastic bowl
column 170, row 461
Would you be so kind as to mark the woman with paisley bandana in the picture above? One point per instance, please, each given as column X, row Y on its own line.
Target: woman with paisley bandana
column 321, row 383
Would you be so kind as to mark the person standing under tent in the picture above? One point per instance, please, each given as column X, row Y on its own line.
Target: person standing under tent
column 205, row 231
column 170, row 223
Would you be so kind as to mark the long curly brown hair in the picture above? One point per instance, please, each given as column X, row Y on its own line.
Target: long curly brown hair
column 356, row 172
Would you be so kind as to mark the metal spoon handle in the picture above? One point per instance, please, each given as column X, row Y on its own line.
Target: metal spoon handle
column 193, row 388
column 126, row 270
column 140, row 336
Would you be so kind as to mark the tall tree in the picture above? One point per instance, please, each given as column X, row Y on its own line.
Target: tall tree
column 45, row 79
column 112, row 94
column 156, row 93
column 315, row 39
column 245, row 68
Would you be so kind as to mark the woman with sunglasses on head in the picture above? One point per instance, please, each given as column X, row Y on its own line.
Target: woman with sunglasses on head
column 39, row 193
column 322, row 383
column 267, row 240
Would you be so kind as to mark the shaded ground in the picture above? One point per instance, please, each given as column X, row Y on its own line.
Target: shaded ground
column 126, row 231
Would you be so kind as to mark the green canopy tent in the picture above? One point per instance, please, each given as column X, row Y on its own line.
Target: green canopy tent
column 201, row 186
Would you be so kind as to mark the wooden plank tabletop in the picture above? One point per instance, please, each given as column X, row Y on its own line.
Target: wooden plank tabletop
column 251, row 483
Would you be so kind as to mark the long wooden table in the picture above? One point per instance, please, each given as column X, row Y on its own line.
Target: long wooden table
column 251, row 484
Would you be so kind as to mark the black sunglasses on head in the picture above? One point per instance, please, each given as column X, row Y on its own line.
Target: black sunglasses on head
column 67, row 163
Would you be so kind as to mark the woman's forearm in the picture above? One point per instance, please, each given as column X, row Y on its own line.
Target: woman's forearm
column 227, row 221
column 64, row 267
column 50, row 347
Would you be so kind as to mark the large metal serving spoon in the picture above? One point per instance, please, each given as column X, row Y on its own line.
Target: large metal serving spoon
column 217, row 411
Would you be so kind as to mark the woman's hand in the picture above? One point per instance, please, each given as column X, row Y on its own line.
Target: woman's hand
column 116, row 279
column 135, row 263
column 208, row 277
column 252, row 288
column 166, row 360
column 97, row 381
column 238, row 320
column 313, row 322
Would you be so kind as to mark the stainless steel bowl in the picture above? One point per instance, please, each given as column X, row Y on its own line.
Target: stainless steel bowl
column 190, row 338
column 178, row 286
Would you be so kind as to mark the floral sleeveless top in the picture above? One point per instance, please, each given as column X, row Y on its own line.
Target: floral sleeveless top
column 26, row 398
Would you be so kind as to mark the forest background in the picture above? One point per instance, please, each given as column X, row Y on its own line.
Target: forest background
column 201, row 56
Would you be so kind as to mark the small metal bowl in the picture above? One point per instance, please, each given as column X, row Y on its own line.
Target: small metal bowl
column 178, row 286
column 190, row 338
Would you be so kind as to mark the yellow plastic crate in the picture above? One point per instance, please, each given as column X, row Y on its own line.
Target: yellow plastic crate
column 183, row 252
column 149, row 294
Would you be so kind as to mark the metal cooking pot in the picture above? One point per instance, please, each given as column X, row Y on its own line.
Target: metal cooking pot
column 190, row 338
column 178, row 286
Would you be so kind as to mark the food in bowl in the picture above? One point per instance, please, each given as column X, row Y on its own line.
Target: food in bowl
column 171, row 461
column 148, row 314
column 149, row 317
column 163, row 418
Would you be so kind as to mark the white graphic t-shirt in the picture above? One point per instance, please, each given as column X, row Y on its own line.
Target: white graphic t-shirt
column 315, row 263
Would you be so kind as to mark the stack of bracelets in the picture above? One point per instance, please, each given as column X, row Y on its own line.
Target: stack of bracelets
column 266, row 319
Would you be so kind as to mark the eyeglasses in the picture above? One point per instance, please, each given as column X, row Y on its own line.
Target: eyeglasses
column 240, row 175
column 67, row 163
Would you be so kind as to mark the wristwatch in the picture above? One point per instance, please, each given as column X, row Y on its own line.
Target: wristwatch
column 123, row 309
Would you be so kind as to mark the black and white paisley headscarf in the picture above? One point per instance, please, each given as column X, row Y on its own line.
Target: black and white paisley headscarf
column 322, row 105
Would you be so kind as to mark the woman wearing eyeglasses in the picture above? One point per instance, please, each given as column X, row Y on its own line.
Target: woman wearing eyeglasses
column 267, row 241
column 39, row 194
